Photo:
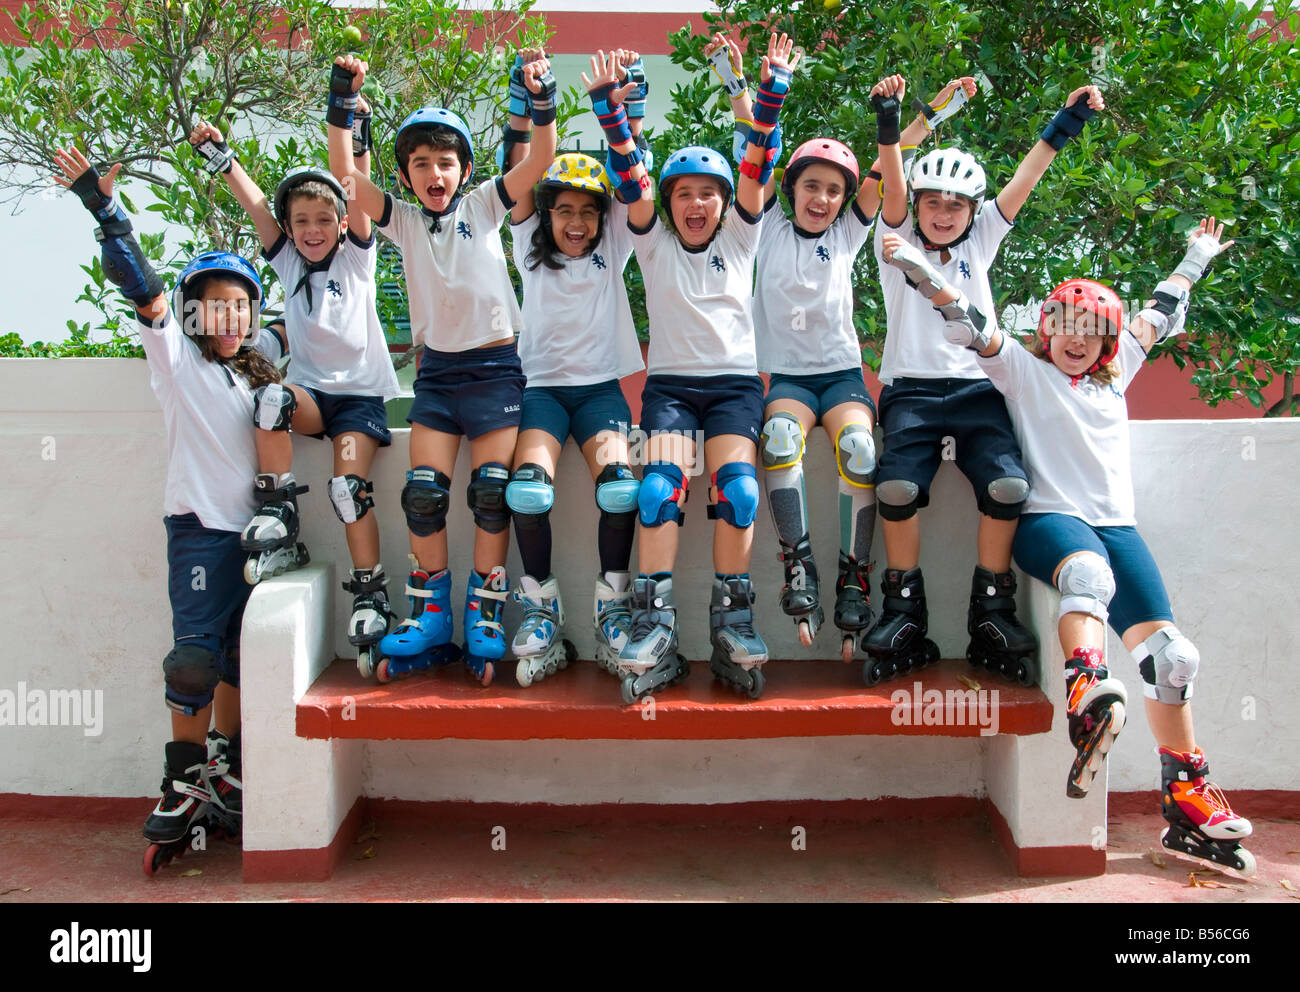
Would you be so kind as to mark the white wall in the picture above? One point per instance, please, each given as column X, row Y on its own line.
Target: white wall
column 84, row 583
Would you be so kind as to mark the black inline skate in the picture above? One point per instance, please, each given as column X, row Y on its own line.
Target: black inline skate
column 226, row 812
column 897, row 644
column 998, row 641
column 183, row 808
column 649, row 661
column 801, row 595
column 853, row 613
column 738, row 650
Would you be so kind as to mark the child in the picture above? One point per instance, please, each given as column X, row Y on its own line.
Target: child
column 463, row 303
column 340, row 377
column 204, row 379
column 571, row 244
column 803, row 326
column 1078, row 532
column 933, row 391
column 702, row 376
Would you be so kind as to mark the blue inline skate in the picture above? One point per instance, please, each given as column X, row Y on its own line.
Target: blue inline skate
column 425, row 639
column 485, row 634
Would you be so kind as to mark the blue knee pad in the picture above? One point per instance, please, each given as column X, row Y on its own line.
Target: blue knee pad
column 530, row 495
column 616, row 490
column 425, row 500
column 486, row 497
column 191, row 672
column 737, row 486
column 662, row 490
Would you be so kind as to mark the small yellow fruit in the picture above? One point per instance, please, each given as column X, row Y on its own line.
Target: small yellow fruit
column 352, row 36
column 831, row 4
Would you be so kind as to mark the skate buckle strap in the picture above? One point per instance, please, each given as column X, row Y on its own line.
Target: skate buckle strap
column 421, row 593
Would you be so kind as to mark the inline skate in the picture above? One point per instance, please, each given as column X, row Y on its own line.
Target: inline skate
column 485, row 634
column 801, row 595
column 853, row 613
column 183, row 808
column 738, row 650
column 271, row 537
column 897, row 644
column 612, row 618
column 1095, row 710
column 649, row 661
column 1201, row 823
column 539, row 644
column 425, row 639
column 226, row 812
column 371, row 615
column 998, row 641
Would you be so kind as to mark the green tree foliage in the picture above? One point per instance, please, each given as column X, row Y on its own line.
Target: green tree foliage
column 1201, row 120
column 126, row 81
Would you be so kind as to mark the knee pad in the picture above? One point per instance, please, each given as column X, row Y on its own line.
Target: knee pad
column 662, row 491
column 230, row 667
column 350, row 496
column 273, row 406
column 191, row 674
column 1168, row 662
column 855, row 455
column 425, row 500
column 782, row 442
column 1087, row 585
column 736, row 484
column 486, row 497
column 898, row 499
column 616, row 493
column 1004, row 498
column 530, row 495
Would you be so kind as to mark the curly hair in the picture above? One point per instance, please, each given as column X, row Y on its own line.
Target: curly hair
column 542, row 249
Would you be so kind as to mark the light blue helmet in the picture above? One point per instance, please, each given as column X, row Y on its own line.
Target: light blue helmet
column 695, row 160
column 222, row 263
column 431, row 117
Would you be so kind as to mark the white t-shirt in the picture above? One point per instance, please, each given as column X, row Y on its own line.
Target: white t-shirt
column 456, row 280
column 803, row 294
column 578, row 324
column 915, row 346
column 1074, row 437
column 208, row 411
column 699, row 302
column 339, row 346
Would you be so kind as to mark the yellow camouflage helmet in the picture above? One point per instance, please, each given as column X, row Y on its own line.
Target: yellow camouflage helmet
column 573, row 170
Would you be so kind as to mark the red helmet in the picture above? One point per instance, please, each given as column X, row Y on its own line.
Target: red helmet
column 1083, row 294
column 826, row 150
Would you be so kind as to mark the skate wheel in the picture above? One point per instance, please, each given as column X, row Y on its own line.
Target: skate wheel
column 1024, row 672
column 756, row 683
column 152, row 859
column 1245, row 861
column 847, row 647
column 629, row 689
column 488, row 671
column 873, row 672
column 251, row 572
column 523, row 673
column 381, row 671
column 805, row 633
column 365, row 663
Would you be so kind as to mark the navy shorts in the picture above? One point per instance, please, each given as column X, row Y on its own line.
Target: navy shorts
column 1044, row 539
column 918, row 414
column 469, row 392
column 205, row 583
column 344, row 412
column 584, row 411
column 821, row 392
column 717, row 404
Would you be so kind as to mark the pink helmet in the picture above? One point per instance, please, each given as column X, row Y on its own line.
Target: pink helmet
column 826, row 150
column 1092, row 297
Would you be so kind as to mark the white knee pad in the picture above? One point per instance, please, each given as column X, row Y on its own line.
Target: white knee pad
column 1087, row 585
column 782, row 443
column 1168, row 662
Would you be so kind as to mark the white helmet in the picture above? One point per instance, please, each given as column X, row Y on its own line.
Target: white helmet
column 950, row 170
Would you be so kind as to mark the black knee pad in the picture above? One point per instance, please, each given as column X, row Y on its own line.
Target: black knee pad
column 273, row 407
column 897, row 499
column 191, row 674
column 425, row 500
column 350, row 495
column 486, row 496
column 230, row 669
column 1004, row 498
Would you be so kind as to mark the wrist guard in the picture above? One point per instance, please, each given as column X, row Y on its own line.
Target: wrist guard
column 611, row 116
column 520, row 98
column 888, row 114
column 1169, row 313
column 342, row 101
column 124, row 263
column 543, row 102
column 636, row 99
column 1068, row 123
column 1199, row 255
column 720, row 63
column 361, row 133
column 934, row 116
column 216, row 156
column 771, row 96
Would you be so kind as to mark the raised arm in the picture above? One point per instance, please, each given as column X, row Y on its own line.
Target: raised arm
column 1166, row 311
column 964, row 324
column 759, row 163
column 212, row 149
column 346, row 79
column 520, row 180
column 124, row 263
column 630, row 178
column 1080, row 105
column 727, row 63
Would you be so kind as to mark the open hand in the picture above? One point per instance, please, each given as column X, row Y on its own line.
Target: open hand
column 75, row 165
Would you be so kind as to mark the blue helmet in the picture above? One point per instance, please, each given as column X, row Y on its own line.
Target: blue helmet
column 695, row 160
column 222, row 263
column 431, row 117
